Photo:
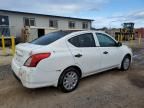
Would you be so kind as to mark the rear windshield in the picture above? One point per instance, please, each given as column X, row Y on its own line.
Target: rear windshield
column 49, row 38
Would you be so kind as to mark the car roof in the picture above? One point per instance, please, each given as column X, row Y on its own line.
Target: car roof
column 80, row 31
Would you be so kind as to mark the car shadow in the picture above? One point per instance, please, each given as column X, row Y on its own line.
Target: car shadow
column 105, row 73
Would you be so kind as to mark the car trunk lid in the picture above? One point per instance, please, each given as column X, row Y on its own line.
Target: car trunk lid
column 23, row 52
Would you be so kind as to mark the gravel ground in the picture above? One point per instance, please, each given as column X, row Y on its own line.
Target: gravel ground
column 110, row 89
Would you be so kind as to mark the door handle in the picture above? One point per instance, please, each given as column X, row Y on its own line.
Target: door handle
column 78, row 55
column 105, row 52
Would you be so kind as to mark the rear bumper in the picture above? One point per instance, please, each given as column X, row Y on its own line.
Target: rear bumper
column 16, row 76
column 21, row 75
column 29, row 77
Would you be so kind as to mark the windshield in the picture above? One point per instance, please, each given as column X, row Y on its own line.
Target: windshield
column 49, row 38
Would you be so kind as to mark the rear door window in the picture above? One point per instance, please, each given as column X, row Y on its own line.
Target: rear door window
column 83, row 40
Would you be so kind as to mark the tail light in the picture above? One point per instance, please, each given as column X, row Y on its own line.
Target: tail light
column 33, row 60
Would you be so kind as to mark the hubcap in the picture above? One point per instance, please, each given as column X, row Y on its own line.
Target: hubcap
column 126, row 63
column 70, row 80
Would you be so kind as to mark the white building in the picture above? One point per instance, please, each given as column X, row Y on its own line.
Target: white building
column 39, row 24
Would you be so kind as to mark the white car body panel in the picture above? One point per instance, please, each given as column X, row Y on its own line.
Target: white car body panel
column 90, row 55
column 48, row 70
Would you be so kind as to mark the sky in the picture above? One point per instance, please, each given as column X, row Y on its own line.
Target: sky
column 105, row 13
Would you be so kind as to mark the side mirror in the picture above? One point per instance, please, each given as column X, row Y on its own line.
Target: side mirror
column 118, row 44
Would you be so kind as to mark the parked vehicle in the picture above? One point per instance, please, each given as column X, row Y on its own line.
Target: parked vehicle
column 62, row 58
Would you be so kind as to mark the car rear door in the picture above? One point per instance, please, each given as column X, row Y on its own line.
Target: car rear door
column 110, row 52
column 85, row 53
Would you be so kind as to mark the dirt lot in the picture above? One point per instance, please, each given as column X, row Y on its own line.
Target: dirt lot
column 110, row 89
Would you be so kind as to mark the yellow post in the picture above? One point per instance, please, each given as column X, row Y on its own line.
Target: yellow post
column 13, row 45
column 121, row 37
column 3, row 45
column 139, row 40
column 131, row 41
column 118, row 38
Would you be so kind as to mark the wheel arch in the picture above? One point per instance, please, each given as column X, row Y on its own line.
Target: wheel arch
column 75, row 67
column 126, row 55
column 72, row 66
column 129, row 55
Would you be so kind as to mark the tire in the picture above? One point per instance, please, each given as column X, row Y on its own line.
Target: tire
column 69, row 80
column 126, row 63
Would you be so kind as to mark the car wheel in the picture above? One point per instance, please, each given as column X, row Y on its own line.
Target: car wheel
column 125, row 63
column 69, row 80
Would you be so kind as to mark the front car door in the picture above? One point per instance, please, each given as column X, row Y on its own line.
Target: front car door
column 85, row 53
column 110, row 52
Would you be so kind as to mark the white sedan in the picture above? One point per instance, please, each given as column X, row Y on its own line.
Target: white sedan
column 62, row 58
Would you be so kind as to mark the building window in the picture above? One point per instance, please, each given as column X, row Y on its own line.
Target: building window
column 26, row 21
column 71, row 24
column 32, row 22
column 85, row 25
column 53, row 23
column 29, row 21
